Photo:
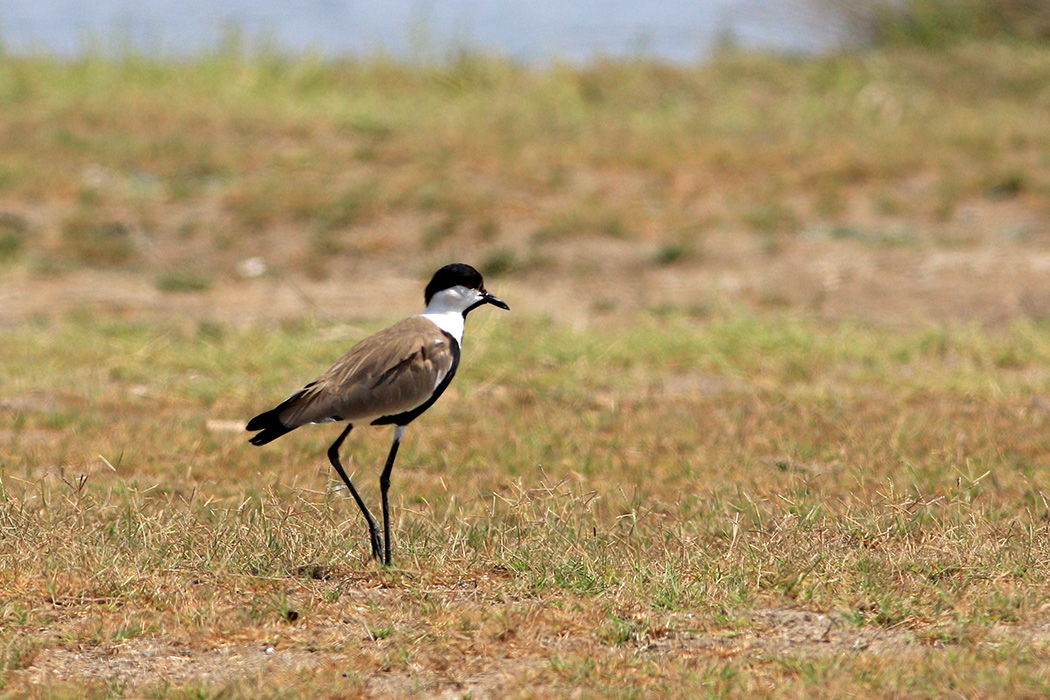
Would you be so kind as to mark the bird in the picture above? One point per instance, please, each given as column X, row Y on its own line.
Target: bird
column 389, row 378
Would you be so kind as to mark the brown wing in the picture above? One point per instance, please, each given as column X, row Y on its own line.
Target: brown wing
column 393, row 371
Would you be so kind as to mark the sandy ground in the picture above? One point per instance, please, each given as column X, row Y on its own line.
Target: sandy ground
column 991, row 281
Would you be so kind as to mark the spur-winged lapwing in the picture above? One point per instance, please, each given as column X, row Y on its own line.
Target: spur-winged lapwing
column 386, row 379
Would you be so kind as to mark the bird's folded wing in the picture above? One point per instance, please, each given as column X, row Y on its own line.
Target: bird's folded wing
column 391, row 372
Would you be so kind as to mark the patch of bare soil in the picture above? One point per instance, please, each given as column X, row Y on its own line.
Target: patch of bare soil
column 985, row 279
column 776, row 632
column 149, row 663
column 152, row 662
column 495, row 681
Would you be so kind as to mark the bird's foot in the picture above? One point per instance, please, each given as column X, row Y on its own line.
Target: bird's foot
column 377, row 546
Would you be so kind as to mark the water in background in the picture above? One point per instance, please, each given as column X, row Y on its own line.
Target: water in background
column 531, row 31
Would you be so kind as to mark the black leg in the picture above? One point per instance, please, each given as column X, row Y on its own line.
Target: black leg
column 373, row 526
column 384, row 487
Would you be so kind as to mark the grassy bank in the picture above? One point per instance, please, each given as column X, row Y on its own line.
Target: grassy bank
column 194, row 166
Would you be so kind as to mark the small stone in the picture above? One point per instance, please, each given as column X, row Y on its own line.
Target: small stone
column 252, row 267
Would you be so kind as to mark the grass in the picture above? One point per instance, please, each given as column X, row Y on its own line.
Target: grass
column 936, row 23
column 578, row 514
column 132, row 154
column 767, row 420
column 183, row 281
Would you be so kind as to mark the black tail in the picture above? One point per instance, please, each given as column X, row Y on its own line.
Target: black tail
column 270, row 424
column 269, row 435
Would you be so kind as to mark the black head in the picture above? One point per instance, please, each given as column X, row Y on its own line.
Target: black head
column 463, row 275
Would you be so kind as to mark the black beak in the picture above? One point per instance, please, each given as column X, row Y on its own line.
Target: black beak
column 495, row 301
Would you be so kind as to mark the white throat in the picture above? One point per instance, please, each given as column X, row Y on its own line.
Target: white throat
column 446, row 309
column 450, row 321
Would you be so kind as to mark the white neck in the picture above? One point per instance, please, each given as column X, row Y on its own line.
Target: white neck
column 446, row 309
column 448, row 320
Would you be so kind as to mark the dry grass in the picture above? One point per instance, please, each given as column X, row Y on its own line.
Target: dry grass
column 768, row 418
column 651, row 514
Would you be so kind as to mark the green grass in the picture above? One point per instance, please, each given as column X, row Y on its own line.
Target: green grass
column 183, row 281
column 936, row 23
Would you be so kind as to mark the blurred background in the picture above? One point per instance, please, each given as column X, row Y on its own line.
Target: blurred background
column 877, row 160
